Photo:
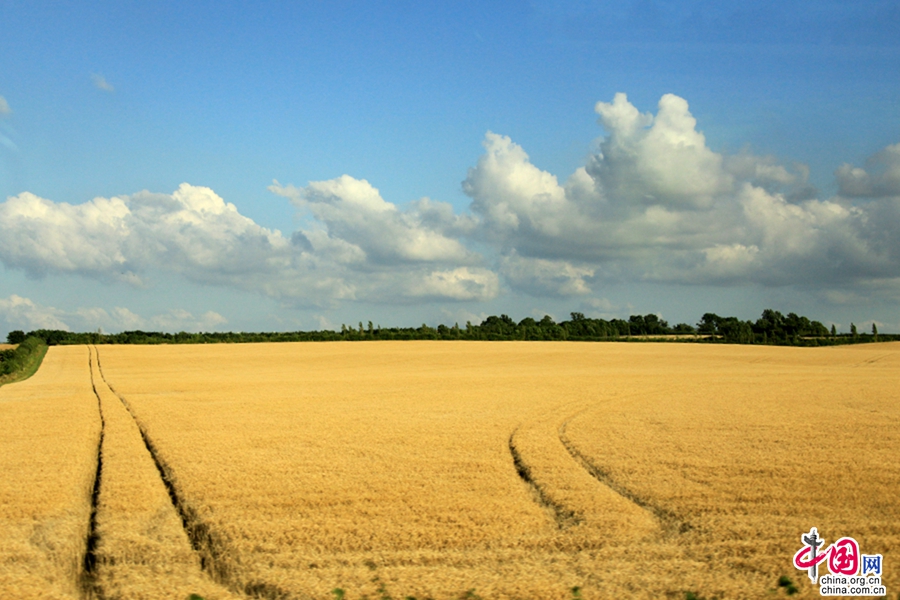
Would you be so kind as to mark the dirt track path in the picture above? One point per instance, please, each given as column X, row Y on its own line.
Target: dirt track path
column 577, row 499
column 139, row 547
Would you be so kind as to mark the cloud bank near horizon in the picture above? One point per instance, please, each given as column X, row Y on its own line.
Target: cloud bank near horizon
column 653, row 204
column 17, row 312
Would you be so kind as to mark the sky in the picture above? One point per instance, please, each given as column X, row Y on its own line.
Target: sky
column 275, row 166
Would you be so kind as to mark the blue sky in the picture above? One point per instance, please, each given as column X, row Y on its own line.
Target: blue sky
column 740, row 157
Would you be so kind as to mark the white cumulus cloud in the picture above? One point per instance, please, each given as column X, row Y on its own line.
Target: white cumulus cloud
column 463, row 283
column 657, row 160
column 361, row 247
column 657, row 204
column 21, row 313
column 192, row 231
column 542, row 277
column 353, row 212
column 654, row 203
column 385, row 253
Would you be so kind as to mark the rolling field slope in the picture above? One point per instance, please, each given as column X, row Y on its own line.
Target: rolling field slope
column 519, row 469
column 49, row 433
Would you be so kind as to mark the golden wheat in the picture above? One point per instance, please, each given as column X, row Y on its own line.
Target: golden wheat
column 143, row 551
column 750, row 455
column 49, row 430
column 652, row 469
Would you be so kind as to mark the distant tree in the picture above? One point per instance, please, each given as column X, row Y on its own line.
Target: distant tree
column 853, row 331
column 15, row 337
column 833, row 331
column 550, row 330
column 709, row 324
column 619, row 327
column 601, row 329
column 653, row 325
column 817, row 329
column 636, row 325
column 734, row 330
column 796, row 326
column 771, row 326
column 51, row 337
column 875, row 331
column 771, row 318
column 683, row 328
column 529, row 330
column 501, row 327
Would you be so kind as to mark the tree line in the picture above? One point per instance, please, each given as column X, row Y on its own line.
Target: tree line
column 771, row 328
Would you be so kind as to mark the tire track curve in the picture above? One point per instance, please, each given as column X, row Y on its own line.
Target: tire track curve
column 573, row 498
column 210, row 547
column 563, row 516
column 668, row 520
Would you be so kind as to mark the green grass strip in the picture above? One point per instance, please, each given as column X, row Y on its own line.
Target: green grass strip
column 26, row 362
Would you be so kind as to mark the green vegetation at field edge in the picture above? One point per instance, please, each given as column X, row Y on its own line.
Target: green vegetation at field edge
column 23, row 361
column 772, row 328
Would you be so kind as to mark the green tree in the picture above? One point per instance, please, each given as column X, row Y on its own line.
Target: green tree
column 683, row 328
column 636, row 325
column 709, row 324
column 833, row 331
column 550, row 330
column 498, row 328
column 875, row 331
column 771, row 325
column 734, row 330
column 853, row 331
column 15, row 337
column 653, row 325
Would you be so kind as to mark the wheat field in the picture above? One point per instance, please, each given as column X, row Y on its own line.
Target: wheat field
column 453, row 470
column 49, row 434
column 142, row 549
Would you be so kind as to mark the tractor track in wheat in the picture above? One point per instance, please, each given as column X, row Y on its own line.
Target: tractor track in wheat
column 668, row 520
column 563, row 516
column 88, row 577
column 209, row 546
